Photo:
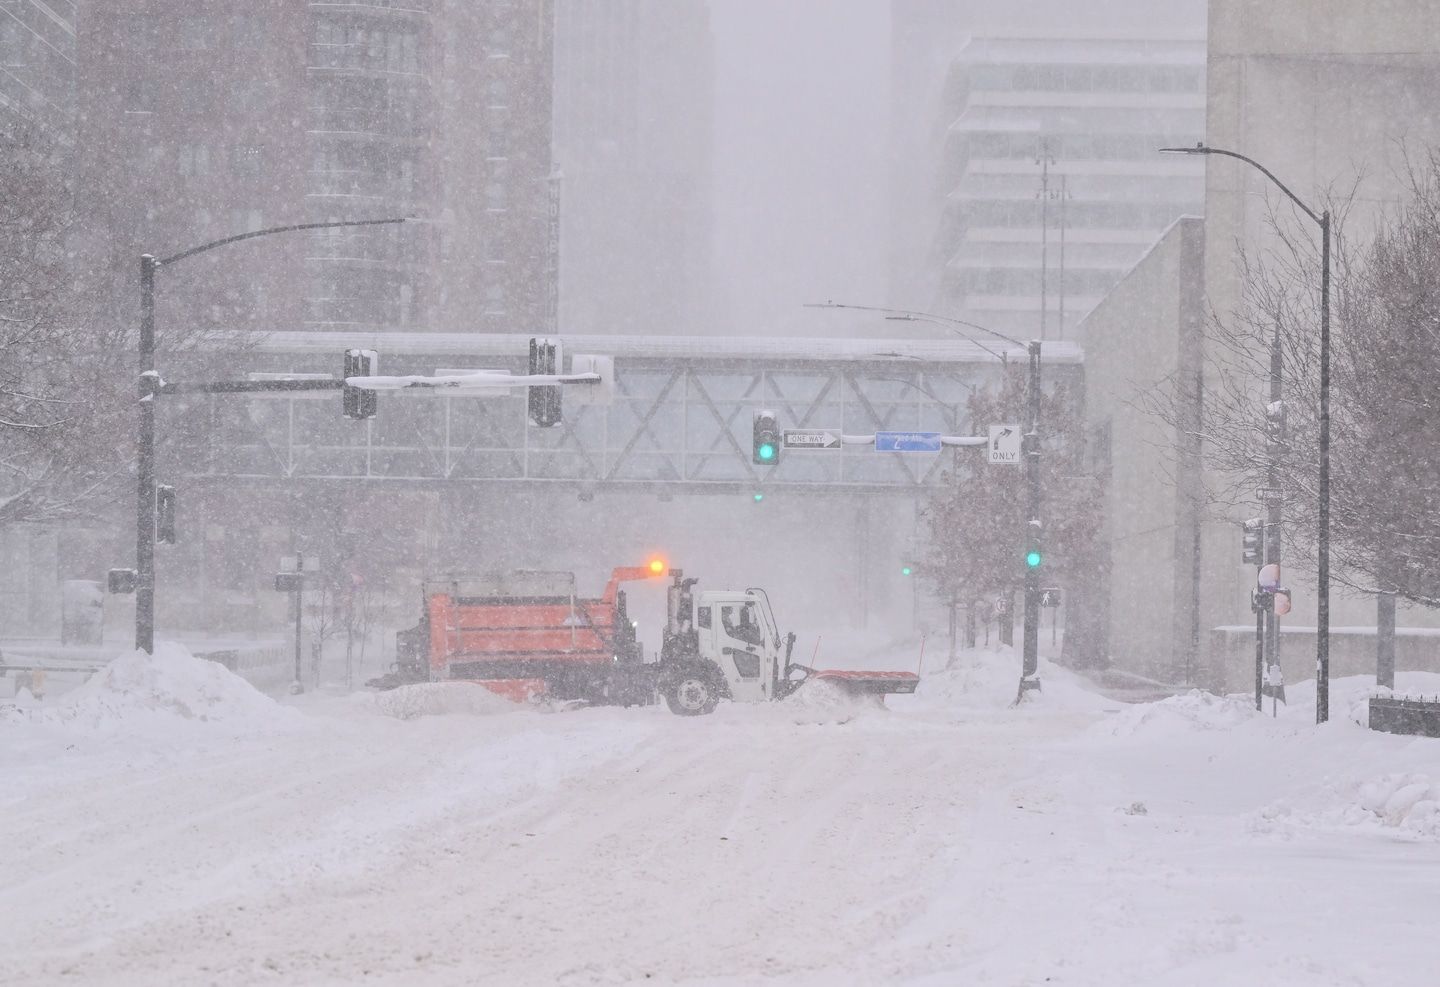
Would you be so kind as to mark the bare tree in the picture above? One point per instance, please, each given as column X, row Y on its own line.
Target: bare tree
column 59, row 393
column 1385, row 417
column 978, row 526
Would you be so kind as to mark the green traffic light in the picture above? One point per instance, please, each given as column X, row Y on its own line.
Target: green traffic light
column 1032, row 559
column 759, row 497
column 767, row 451
column 906, row 571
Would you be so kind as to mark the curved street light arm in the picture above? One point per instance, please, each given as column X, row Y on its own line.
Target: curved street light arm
column 945, row 324
column 919, row 317
column 1206, row 149
column 175, row 258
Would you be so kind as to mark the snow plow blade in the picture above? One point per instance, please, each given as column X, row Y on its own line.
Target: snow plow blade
column 870, row 683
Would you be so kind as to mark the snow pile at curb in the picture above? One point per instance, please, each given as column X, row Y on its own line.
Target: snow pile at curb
column 991, row 680
column 172, row 684
column 1189, row 712
column 410, row 702
column 1409, row 802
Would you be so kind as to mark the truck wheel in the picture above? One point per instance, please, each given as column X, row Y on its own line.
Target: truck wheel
column 692, row 694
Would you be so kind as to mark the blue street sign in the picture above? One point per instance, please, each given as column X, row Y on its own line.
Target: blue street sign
column 907, row 441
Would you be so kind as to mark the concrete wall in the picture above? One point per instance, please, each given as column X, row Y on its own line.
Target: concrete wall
column 1327, row 94
column 1143, row 348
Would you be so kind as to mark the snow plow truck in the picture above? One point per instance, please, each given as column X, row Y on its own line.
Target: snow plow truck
column 527, row 635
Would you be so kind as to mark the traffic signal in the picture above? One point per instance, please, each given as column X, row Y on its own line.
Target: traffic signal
column 544, row 400
column 1276, row 437
column 360, row 403
column 1252, row 542
column 165, row 514
column 765, row 450
column 907, row 569
column 1282, row 601
column 759, row 497
column 1033, row 558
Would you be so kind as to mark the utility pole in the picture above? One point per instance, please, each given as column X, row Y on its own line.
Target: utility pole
column 1044, row 160
column 1060, row 333
column 1322, row 569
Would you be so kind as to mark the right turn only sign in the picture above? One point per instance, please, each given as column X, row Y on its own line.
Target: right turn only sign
column 1004, row 445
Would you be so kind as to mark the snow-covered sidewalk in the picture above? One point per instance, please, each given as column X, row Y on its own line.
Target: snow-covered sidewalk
column 167, row 825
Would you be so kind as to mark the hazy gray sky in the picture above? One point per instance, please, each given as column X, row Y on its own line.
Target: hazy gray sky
column 802, row 89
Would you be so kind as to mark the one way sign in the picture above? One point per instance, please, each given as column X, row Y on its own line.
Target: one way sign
column 1004, row 445
column 811, row 438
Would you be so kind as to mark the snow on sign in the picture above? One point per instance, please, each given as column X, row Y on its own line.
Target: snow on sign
column 811, row 438
column 1004, row 447
column 907, row 442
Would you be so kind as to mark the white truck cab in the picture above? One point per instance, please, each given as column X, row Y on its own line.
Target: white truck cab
column 737, row 633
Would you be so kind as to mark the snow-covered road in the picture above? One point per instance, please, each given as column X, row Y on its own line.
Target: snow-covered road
column 949, row 840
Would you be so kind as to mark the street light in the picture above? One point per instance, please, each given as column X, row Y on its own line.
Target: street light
column 1322, row 573
column 150, row 387
column 1030, row 665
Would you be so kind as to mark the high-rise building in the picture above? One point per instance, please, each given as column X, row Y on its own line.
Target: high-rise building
column 924, row 38
column 634, row 94
column 37, row 62
column 1052, row 181
column 201, row 120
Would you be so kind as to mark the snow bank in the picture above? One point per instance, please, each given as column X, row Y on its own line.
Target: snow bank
column 1409, row 802
column 410, row 702
column 991, row 680
column 170, row 685
column 1186, row 713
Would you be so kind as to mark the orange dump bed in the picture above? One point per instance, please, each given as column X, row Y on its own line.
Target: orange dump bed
column 468, row 629
column 504, row 623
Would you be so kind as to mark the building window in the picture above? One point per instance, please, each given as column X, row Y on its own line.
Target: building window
column 193, row 160
column 246, row 220
column 245, row 160
column 194, row 33
column 138, row 97
column 249, row 32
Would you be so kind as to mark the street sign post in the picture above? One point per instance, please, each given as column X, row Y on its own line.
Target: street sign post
column 811, row 438
column 291, row 579
column 907, row 442
column 1005, row 443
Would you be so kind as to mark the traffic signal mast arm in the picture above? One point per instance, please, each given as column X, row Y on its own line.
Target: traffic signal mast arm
column 945, row 440
column 375, row 383
column 486, row 380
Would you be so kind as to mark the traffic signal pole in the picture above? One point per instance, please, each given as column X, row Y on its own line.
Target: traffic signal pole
column 151, row 387
column 1274, row 515
column 145, row 467
column 1034, row 552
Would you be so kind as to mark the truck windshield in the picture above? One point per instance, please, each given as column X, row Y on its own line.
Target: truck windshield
column 762, row 598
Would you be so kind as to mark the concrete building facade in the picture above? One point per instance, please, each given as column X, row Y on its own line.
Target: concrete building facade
column 634, row 116
column 201, row 120
column 37, row 62
column 1052, row 188
column 1328, row 96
